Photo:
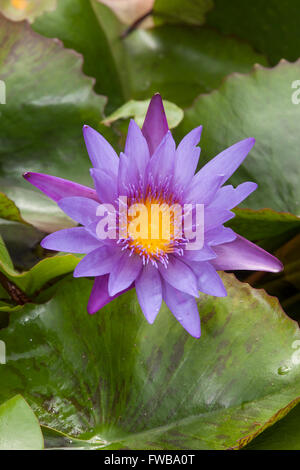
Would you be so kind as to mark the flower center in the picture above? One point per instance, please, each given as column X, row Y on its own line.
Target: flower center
column 154, row 228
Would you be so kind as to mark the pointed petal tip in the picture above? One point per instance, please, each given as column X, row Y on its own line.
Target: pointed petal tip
column 196, row 336
column 251, row 141
column 278, row 266
column 85, row 129
column 155, row 125
column 43, row 244
column 194, row 332
column 91, row 310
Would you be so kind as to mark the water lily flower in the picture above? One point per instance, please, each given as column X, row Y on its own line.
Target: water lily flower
column 153, row 170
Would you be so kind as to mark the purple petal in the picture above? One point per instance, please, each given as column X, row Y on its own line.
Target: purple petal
column 180, row 276
column 156, row 125
column 137, row 149
column 184, row 309
column 124, row 273
column 209, row 282
column 227, row 161
column 57, row 188
column 106, row 185
column 229, row 197
column 80, row 209
column 242, row 254
column 187, row 157
column 99, row 296
column 149, row 292
column 160, row 169
column 214, row 217
column 96, row 263
column 219, row 235
column 206, row 253
column 71, row 240
column 127, row 176
column 101, row 153
column 203, row 191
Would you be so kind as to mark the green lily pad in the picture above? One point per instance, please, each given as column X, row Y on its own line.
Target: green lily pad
column 285, row 285
column 97, row 37
column 284, row 435
column 117, row 382
column 8, row 210
column 23, row 242
column 271, row 26
column 48, row 100
column 138, row 110
column 48, row 269
column 266, row 226
column 177, row 11
column 182, row 61
column 19, row 427
column 257, row 105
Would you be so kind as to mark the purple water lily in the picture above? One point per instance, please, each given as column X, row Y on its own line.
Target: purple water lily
column 153, row 169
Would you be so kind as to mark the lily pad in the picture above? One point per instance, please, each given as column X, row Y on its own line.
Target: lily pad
column 116, row 382
column 284, row 435
column 48, row 101
column 8, row 210
column 271, row 26
column 96, row 37
column 19, row 427
column 285, row 285
column 180, row 62
column 48, row 269
column 258, row 105
column 266, row 226
column 177, row 11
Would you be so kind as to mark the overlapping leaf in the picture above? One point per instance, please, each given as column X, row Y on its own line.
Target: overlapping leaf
column 19, row 428
column 116, row 380
column 97, row 37
column 271, row 26
column 176, row 11
column 48, row 101
column 181, row 62
column 258, row 105
column 30, row 282
column 284, row 435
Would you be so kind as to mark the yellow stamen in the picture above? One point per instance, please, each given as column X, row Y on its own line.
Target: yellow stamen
column 152, row 227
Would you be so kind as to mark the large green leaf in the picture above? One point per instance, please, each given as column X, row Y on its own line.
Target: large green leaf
column 19, row 428
column 178, row 11
column 48, row 269
column 8, row 210
column 266, row 226
column 97, row 37
column 120, row 383
column 257, row 105
column 271, row 26
column 48, row 101
column 284, row 435
column 23, row 243
column 182, row 61
column 285, row 285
